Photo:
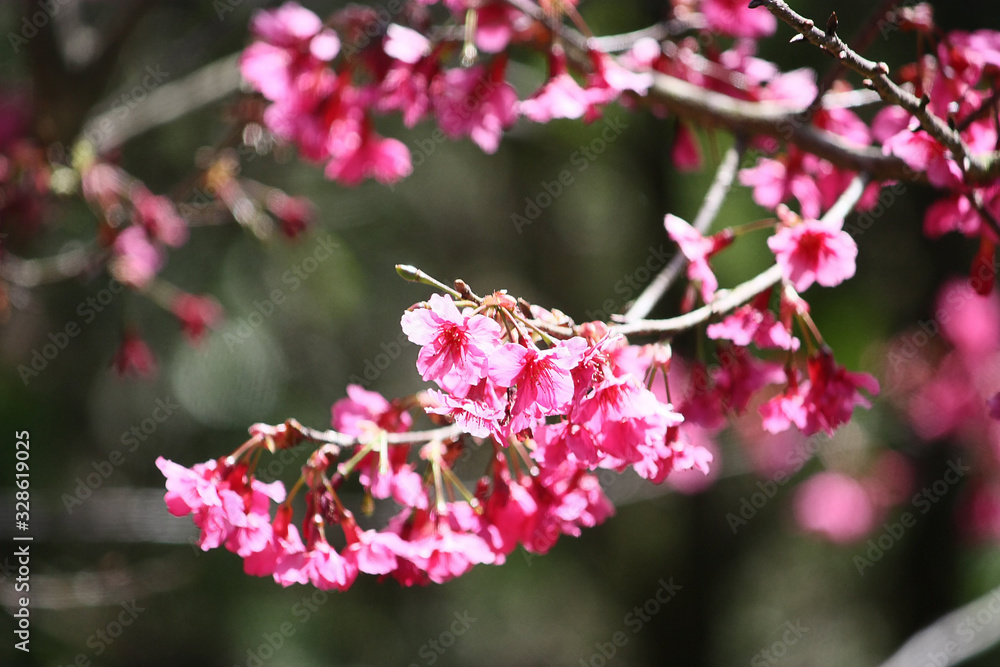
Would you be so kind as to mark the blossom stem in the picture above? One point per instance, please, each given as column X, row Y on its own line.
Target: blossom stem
column 415, row 275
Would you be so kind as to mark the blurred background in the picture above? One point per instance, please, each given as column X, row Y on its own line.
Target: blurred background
column 117, row 554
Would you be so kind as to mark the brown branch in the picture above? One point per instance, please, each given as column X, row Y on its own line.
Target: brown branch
column 976, row 168
column 775, row 120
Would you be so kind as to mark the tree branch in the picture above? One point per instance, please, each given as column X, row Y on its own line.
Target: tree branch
column 34, row 272
column 744, row 292
column 164, row 104
column 977, row 169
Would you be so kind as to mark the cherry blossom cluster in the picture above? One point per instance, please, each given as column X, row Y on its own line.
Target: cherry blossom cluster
column 325, row 89
column 552, row 401
column 955, row 81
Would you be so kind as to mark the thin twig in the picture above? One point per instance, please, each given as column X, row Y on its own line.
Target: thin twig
column 860, row 43
column 744, row 292
column 166, row 103
column 716, row 194
column 43, row 270
column 298, row 433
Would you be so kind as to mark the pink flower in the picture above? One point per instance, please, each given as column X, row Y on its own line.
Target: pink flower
column 137, row 260
column 697, row 249
column 454, row 347
column 369, row 155
column 685, row 153
column 814, row 251
column 294, row 213
column 741, row 375
column 560, row 97
column 373, row 552
column 288, row 25
column 969, row 321
column 542, row 377
column 325, row 568
column 159, row 217
column 405, row 44
column 774, row 181
column 364, row 410
column 284, row 549
column 134, row 355
column 835, row 506
column 479, row 412
column 196, row 313
column 921, row 152
column 189, row 489
column 475, row 102
column 748, row 325
column 954, row 213
column 734, row 17
column 496, row 27
column 821, row 403
column 249, row 519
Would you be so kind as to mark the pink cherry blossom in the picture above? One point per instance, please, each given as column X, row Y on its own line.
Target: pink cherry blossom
column 196, row 313
column 542, row 377
column 697, row 249
column 814, row 251
column 776, row 180
column 288, row 25
column 369, row 155
column 822, row 402
column 749, row 325
column 475, row 102
column 405, row 44
column 159, row 217
column 560, row 97
column 454, row 347
column 364, row 410
column 734, row 17
column 137, row 260
column 134, row 356
column 685, row 153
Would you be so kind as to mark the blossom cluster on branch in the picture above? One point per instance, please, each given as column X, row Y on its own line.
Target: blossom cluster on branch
column 550, row 401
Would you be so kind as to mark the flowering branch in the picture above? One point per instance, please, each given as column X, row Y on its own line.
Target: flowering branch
column 977, row 169
column 743, row 292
